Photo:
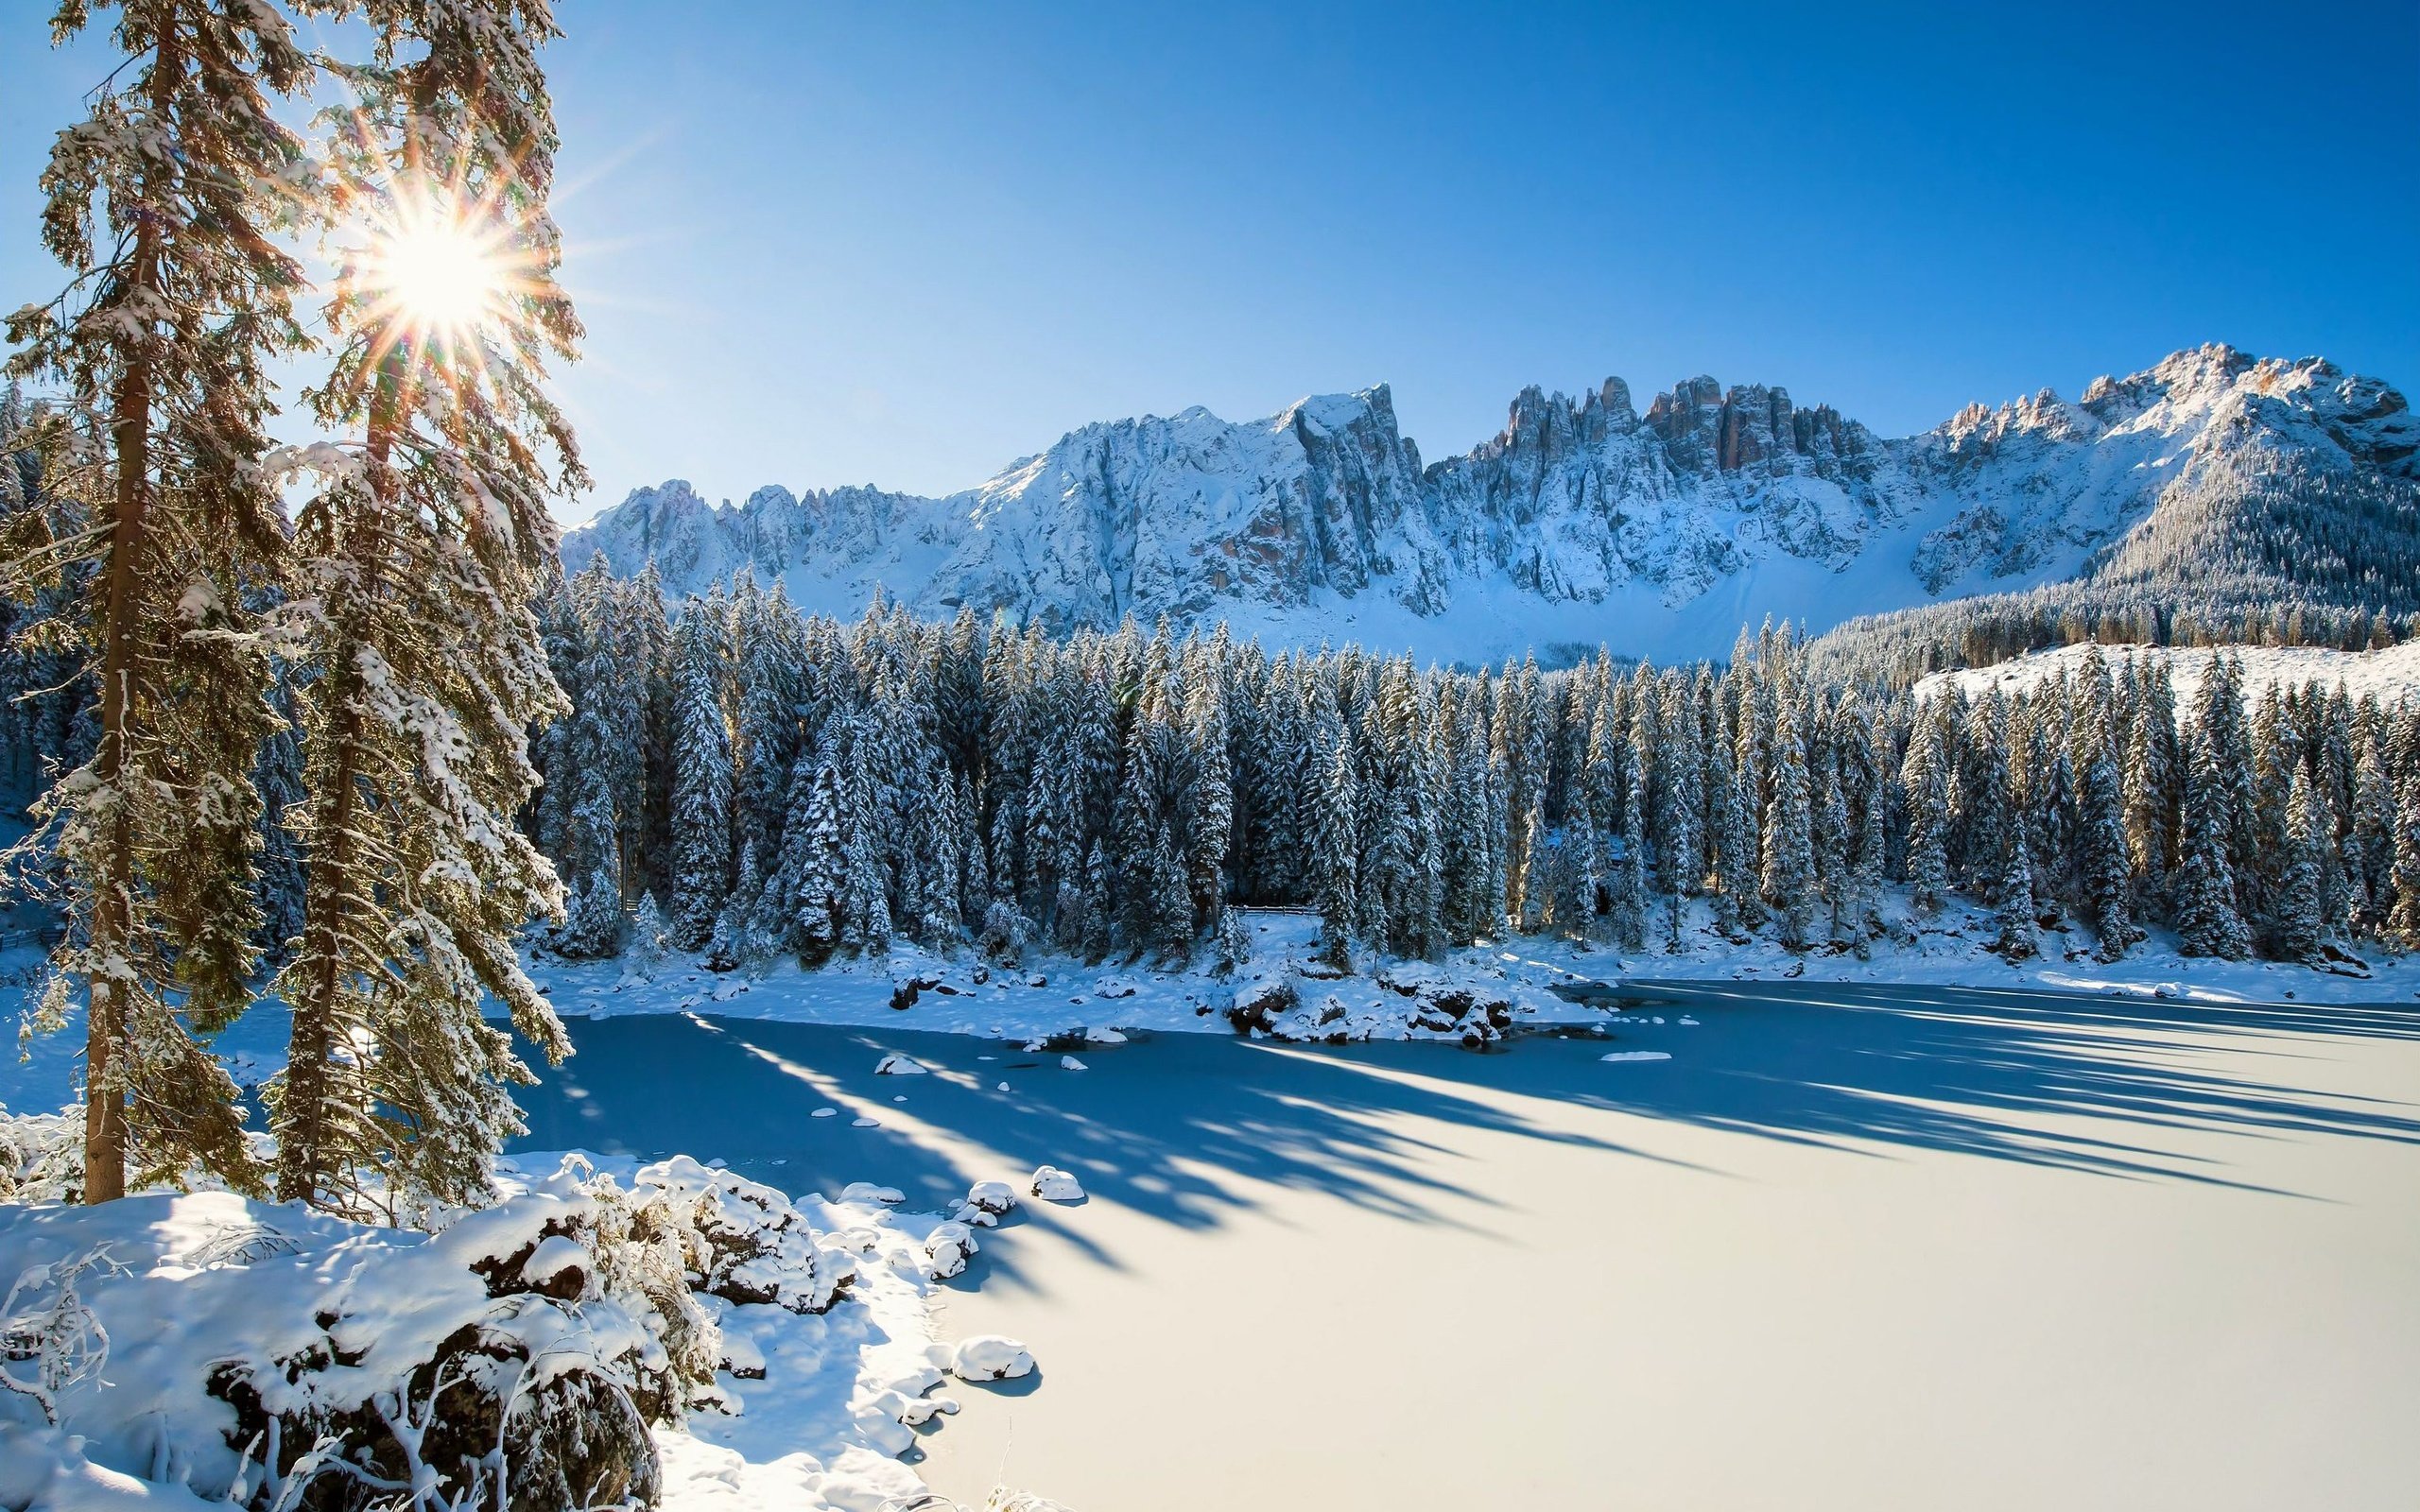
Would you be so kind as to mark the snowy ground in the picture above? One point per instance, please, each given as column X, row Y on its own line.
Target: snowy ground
column 1847, row 1247
column 826, row 1421
column 1688, row 1147
column 2390, row 673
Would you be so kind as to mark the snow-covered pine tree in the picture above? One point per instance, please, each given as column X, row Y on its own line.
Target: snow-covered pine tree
column 1788, row 875
column 2234, row 806
column 1679, row 802
column 2100, row 830
column 739, row 939
column 865, row 898
column 2151, row 790
column 701, row 776
column 592, row 926
column 1093, row 906
column 646, row 952
column 1830, row 824
column 164, row 202
column 1335, row 827
column 1210, row 801
column 2206, row 921
column 2015, row 892
column 649, row 843
column 937, row 924
column 765, row 733
column 1926, row 776
column 1626, row 903
column 2370, row 847
column 1726, row 834
column 2403, row 907
column 815, row 865
column 420, row 557
column 1867, row 859
column 2301, row 914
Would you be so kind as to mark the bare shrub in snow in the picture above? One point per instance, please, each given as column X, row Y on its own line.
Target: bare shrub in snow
column 49, row 1338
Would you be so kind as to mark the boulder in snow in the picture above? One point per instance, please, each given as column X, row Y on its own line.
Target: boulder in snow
column 895, row 1064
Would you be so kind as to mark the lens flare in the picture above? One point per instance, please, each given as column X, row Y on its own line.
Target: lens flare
column 435, row 271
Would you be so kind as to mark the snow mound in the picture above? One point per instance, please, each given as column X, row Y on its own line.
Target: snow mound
column 990, row 1357
column 1053, row 1185
column 868, row 1192
column 948, row 1248
column 1071, row 1063
column 1636, row 1054
column 895, row 1064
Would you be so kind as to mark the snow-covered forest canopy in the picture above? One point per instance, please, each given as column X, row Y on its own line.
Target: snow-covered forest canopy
column 744, row 781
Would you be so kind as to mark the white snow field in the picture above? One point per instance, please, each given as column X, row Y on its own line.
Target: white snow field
column 2389, row 674
column 1849, row 1247
column 1806, row 1233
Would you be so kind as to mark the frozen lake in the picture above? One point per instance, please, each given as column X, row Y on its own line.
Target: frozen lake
column 1849, row 1247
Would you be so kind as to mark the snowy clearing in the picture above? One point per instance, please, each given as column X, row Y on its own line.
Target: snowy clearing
column 2390, row 673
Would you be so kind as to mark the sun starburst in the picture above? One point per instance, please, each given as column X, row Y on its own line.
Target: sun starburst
column 435, row 269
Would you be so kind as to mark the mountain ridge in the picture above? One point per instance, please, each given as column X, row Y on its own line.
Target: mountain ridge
column 1584, row 519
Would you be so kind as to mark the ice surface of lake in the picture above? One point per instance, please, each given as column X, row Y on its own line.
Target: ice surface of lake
column 1849, row 1247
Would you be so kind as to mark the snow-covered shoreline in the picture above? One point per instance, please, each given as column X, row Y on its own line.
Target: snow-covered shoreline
column 1058, row 998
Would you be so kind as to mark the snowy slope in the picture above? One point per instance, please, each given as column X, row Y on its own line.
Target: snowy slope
column 1583, row 521
column 2390, row 675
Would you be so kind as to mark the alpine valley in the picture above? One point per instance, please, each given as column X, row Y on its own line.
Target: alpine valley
column 1588, row 521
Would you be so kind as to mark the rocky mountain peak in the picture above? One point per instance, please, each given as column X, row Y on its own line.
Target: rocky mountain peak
column 1582, row 519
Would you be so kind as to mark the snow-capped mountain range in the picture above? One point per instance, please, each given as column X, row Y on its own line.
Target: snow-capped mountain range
column 1584, row 521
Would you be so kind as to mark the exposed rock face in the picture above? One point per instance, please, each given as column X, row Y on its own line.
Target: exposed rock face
column 1322, row 520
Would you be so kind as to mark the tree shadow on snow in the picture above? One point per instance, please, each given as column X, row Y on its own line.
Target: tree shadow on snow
column 1160, row 1126
column 1978, row 1072
column 1173, row 1127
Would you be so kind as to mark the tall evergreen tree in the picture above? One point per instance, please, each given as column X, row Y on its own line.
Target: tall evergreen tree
column 166, row 202
column 1789, row 850
column 1925, row 775
column 702, row 853
column 2207, row 922
column 2302, row 921
column 420, row 555
column 1335, row 827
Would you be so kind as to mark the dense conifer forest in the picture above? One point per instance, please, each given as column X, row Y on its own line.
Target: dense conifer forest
column 765, row 783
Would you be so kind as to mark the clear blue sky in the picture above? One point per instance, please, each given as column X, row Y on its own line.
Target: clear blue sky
column 822, row 242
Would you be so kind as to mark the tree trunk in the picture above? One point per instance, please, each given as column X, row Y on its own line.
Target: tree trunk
column 105, row 1027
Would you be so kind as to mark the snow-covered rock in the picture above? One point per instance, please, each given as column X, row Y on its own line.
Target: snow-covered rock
column 1584, row 519
column 1053, row 1185
column 869, row 1192
column 1071, row 1063
column 895, row 1064
column 990, row 1357
column 948, row 1247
